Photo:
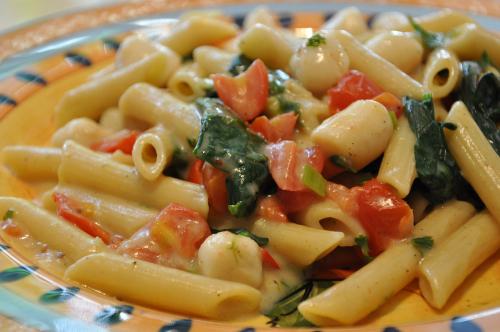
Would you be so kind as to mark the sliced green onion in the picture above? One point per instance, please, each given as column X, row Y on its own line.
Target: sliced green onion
column 313, row 180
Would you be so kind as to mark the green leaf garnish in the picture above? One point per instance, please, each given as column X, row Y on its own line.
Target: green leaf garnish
column 226, row 144
column 431, row 40
column 9, row 214
column 423, row 244
column 277, row 79
column 261, row 241
column 362, row 242
column 316, row 40
column 59, row 295
column 285, row 313
column 342, row 162
column 313, row 180
column 436, row 168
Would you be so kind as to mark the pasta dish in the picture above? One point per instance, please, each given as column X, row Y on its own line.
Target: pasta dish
column 223, row 171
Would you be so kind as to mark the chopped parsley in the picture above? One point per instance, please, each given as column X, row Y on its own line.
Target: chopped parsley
column 431, row 40
column 423, row 244
column 316, row 40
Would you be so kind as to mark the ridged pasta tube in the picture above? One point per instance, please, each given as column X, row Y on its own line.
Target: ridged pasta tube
column 399, row 48
column 165, row 288
column 267, row 44
column 152, row 152
column 32, row 162
column 479, row 163
column 355, row 297
column 349, row 19
column 446, row 267
column 442, row 73
column 198, row 30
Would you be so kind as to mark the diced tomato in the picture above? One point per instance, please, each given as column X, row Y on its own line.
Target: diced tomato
column 195, row 174
column 214, row 181
column 287, row 160
column 12, row 229
column 338, row 264
column 123, row 140
column 70, row 210
column 391, row 102
column 268, row 260
column 284, row 125
column 346, row 198
column 296, row 201
column 245, row 94
column 270, row 208
column 279, row 128
column 179, row 229
column 351, row 87
column 383, row 214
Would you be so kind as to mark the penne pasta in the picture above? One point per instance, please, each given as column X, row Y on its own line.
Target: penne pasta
column 301, row 245
column 188, row 83
column 398, row 164
column 329, row 216
column 442, row 73
column 366, row 61
column 83, row 167
column 114, row 214
column 447, row 266
column 348, row 301
column 154, row 106
column 196, row 31
column 164, row 288
column 58, row 234
column 476, row 158
column 82, row 131
column 152, row 152
column 213, row 60
column 91, row 99
column 20, row 160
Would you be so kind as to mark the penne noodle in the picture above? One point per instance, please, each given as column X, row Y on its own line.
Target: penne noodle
column 447, row 266
column 83, row 167
column 300, row 244
column 475, row 156
column 91, row 99
column 163, row 287
column 355, row 297
column 371, row 64
column 152, row 152
column 45, row 227
column 398, row 164
column 20, row 159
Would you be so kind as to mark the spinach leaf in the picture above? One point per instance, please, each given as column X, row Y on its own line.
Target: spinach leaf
column 481, row 95
column 239, row 64
column 226, row 144
column 430, row 39
column 277, row 79
column 261, row 241
column 285, row 313
column 436, row 168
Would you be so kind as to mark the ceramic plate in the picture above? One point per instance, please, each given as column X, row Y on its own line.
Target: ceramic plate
column 32, row 82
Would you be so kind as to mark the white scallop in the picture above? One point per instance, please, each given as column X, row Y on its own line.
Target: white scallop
column 319, row 68
column 231, row 257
